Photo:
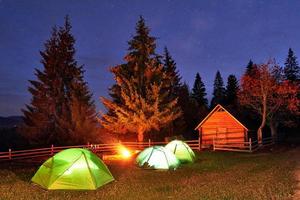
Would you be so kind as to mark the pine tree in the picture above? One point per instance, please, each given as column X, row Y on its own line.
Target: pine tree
column 39, row 117
column 199, row 93
column 189, row 111
column 58, row 94
column 183, row 100
column 136, row 81
column 192, row 113
column 291, row 69
column 141, row 50
column 291, row 73
column 250, row 67
column 172, row 73
column 219, row 91
column 139, row 114
column 232, row 89
column 173, row 85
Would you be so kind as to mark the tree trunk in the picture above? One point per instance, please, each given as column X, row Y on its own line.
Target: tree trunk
column 140, row 138
column 263, row 121
column 273, row 127
column 140, row 135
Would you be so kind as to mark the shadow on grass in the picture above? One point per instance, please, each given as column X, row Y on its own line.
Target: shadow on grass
column 23, row 171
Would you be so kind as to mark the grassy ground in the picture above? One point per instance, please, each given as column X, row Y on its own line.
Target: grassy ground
column 216, row 175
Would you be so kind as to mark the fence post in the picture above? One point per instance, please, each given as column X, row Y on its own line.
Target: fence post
column 9, row 154
column 250, row 144
column 52, row 150
column 214, row 143
column 199, row 142
column 149, row 142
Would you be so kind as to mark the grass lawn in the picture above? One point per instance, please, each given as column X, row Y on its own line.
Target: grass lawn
column 216, row 175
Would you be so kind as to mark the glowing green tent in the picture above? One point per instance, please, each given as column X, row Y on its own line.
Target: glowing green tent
column 157, row 157
column 182, row 151
column 73, row 169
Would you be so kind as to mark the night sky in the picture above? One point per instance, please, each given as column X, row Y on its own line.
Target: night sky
column 202, row 36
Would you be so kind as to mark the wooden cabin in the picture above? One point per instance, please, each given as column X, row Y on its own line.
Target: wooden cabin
column 221, row 126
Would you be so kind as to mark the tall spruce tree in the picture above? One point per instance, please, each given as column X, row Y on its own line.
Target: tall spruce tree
column 61, row 109
column 173, row 86
column 190, row 111
column 250, row 67
column 291, row 68
column 198, row 98
column 292, row 73
column 183, row 101
column 199, row 92
column 219, row 93
column 232, row 89
column 141, row 50
column 144, row 101
column 172, row 73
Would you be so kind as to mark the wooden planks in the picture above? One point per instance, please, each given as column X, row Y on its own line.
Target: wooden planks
column 223, row 127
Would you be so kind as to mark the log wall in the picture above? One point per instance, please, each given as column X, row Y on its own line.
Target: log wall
column 223, row 127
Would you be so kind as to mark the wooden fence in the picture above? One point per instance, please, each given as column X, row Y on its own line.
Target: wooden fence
column 97, row 148
column 250, row 146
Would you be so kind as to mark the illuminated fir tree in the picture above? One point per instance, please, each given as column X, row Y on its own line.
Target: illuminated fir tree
column 140, row 100
column 139, row 114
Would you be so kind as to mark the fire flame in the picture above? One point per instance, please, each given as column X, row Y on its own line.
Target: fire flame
column 124, row 152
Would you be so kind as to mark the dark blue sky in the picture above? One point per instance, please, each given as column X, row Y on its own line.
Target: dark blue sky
column 202, row 36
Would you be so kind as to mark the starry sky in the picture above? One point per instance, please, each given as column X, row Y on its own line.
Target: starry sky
column 202, row 36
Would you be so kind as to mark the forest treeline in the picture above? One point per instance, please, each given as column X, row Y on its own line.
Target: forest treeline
column 149, row 99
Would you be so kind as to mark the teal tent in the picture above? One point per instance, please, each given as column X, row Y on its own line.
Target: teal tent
column 73, row 169
column 157, row 157
column 182, row 151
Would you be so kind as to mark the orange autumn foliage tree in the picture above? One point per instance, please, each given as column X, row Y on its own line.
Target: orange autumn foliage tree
column 267, row 94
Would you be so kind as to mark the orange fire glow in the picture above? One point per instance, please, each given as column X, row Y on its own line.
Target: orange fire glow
column 124, row 152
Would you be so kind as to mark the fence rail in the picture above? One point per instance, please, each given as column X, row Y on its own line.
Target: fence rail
column 97, row 148
column 218, row 145
column 250, row 146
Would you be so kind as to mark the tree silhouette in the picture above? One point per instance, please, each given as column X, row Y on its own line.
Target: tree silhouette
column 61, row 105
column 219, row 91
column 199, row 92
column 232, row 89
column 291, row 68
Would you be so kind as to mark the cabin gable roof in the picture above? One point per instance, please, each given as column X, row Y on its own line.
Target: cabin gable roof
column 217, row 108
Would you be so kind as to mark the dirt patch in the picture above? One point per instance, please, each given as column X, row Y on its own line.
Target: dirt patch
column 296, row 195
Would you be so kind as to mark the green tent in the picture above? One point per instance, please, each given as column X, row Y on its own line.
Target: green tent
column 73, row 169
column 157, row 157
column 182, row 151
